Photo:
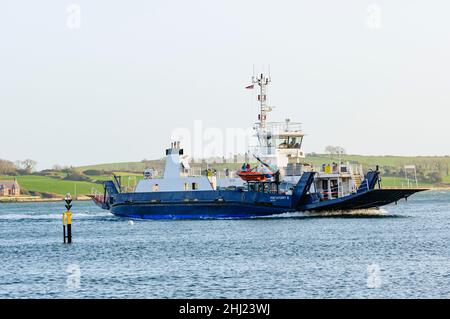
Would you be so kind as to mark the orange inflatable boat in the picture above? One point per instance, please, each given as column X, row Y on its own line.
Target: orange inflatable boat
column 251, row 176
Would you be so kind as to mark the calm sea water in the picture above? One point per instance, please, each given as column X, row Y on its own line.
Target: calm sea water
column 401, row 251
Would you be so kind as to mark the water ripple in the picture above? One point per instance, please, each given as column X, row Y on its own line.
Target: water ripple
column 403, row 249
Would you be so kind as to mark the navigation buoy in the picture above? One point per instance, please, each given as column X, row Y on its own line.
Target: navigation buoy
column 130, row 222
column 67, row 220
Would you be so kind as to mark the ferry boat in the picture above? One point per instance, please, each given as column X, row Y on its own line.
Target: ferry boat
column 282, row 182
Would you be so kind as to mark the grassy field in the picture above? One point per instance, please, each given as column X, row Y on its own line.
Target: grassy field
column 43, row 184
column 397, row 182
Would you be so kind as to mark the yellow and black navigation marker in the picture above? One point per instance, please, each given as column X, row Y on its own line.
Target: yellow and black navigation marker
column 67, row 220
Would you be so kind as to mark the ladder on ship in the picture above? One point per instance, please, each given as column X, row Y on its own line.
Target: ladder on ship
column 357, row 176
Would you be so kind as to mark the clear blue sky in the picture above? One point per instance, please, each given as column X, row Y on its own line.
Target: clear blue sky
column 114, row 89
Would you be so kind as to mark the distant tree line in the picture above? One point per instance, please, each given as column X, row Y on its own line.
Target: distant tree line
column 17, row 168
column 335, row 151
column 6, row 167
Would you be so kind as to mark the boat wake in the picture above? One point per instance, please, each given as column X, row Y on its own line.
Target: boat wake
column 360, row 213
column 357, row 213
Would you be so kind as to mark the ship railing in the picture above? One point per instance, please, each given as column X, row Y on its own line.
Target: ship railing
column 355, row 169
column 332, row 193
column 283, row 127
column 272, row 149
column 98, row 198
column 335, row 168
column 196, row 172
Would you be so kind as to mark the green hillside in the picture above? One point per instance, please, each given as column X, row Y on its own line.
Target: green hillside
column 50, row 185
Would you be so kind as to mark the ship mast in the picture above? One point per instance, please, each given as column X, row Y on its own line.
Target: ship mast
column 263, row 83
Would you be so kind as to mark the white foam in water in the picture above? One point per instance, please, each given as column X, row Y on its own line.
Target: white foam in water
column 285, row 215
column 357, row 212
column 294, row 214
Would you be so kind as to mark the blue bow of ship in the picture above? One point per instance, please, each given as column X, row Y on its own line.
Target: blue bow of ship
column 282, row 182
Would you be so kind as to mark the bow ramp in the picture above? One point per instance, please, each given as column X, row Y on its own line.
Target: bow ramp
column 373, row 198
column 302, row 188
column 104, row 201
column 369, row 182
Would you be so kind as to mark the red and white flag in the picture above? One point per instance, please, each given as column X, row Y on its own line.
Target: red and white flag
column 250, row 87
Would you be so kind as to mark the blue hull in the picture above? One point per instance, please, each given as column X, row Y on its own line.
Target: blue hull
column 194, row 211
column 188, row 209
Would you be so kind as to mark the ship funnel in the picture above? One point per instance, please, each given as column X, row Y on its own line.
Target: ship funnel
column 173, row 160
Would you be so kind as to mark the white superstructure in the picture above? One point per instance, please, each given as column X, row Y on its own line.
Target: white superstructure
column 176, row 176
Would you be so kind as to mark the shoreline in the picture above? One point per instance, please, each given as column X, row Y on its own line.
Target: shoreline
column 35, row 199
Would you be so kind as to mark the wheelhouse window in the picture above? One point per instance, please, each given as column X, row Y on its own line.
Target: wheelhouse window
column 194, row 186
column 290, row 142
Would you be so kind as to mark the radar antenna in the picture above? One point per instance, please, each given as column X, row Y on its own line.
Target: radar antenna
column 263, row 83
